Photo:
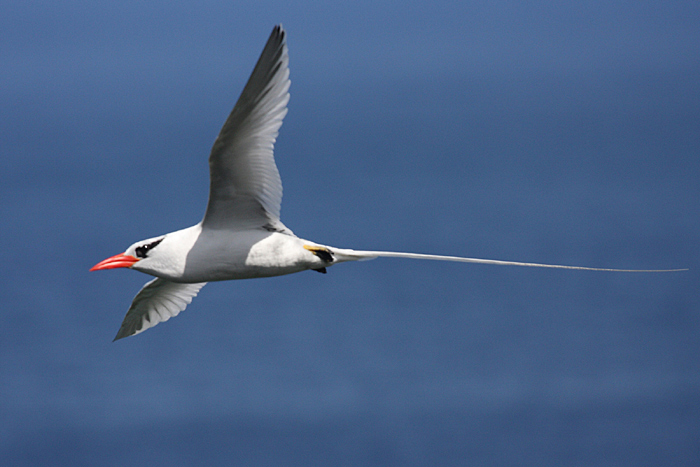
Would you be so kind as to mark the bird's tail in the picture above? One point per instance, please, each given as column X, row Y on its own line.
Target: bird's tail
column 342, row 255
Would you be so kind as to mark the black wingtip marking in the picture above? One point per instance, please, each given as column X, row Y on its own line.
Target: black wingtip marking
column 278, row 32
column 321, row 270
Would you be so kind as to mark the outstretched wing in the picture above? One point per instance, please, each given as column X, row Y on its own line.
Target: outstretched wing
column 158, row 301
column 245, row 186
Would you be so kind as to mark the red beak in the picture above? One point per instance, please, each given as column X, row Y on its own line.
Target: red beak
column 117, row 261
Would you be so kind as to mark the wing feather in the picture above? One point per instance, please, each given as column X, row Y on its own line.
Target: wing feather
column 158, row 301
column 245, row 185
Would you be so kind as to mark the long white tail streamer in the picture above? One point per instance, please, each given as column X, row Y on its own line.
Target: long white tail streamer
column 351, row 255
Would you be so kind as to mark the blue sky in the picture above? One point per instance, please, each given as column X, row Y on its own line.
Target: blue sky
column 531, row 131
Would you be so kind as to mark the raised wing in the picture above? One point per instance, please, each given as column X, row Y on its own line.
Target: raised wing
column 158, row 301
column 246, row 190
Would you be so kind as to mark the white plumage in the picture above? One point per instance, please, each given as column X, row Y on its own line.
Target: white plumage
column 241, row 235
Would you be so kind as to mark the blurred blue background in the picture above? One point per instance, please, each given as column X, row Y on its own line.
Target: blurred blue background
column 528, row 131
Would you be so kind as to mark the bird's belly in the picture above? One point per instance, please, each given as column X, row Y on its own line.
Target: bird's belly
column 248, row 257
column 251, row 272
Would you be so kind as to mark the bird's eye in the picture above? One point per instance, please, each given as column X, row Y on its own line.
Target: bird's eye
column 142, row 251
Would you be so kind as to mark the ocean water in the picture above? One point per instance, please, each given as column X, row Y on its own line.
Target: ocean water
column 387, row 362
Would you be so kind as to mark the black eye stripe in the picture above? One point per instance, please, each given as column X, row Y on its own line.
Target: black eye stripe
column 142, row 251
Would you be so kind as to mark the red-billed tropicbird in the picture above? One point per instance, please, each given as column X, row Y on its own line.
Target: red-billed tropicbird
column 241, row 235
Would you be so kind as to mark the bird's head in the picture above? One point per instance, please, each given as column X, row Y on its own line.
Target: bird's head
column 143, row 256
column 163, row 256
